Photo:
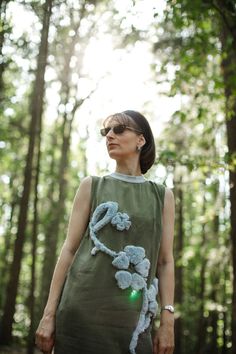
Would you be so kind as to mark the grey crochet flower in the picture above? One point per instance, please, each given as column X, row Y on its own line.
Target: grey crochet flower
column 121, row 221
column 121, row 261
column 123, row 278
column 138, row 282
column 143, row 267
column 135, row 254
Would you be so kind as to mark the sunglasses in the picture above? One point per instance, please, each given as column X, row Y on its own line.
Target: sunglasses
column 118, row 129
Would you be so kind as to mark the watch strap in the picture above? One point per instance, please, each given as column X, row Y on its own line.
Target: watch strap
column 169, row 308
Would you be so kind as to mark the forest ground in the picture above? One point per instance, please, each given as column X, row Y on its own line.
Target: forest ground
column 16, row 350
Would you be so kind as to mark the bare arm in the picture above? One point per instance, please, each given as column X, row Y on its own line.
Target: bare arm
column 164, row 341
column 77, row 225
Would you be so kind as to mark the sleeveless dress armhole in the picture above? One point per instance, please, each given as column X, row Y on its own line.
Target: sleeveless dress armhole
column 95, row 180
column 94, row 183
column 162, row 193
column 160, row 190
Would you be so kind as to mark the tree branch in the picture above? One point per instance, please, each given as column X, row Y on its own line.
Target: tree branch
column 225, row 19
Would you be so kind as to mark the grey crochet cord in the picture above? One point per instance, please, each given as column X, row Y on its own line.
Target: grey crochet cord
column 129, row 256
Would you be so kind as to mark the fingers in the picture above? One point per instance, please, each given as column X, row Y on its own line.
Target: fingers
column 44, row 337
column 164, row 340
column 162, row 348
column 44, row 342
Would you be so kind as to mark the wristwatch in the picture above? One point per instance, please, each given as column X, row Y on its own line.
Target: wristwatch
column 169, row 308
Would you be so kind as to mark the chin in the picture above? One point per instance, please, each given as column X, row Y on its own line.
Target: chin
column 115, row 155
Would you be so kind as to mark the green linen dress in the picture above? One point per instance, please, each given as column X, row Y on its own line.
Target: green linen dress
column 96, row 315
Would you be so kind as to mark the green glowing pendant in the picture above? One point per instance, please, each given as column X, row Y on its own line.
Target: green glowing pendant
column 134, row 295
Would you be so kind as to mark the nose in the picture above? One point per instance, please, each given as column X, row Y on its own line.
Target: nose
column 110, row 134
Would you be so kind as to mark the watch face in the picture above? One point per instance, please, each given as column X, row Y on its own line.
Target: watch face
column 169, row 308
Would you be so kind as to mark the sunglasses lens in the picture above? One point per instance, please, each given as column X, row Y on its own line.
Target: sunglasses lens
column 119, row 129
column 104, row 131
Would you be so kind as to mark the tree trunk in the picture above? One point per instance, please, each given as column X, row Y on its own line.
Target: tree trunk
column 30, row 347
column 52, row 232
column 36, row 113
column 215, row 278
column 179, row 268
column 224, row 348
column 213, row 347
column 229, row 74
column 8, row 244
column 201, row 331
column 3, row 25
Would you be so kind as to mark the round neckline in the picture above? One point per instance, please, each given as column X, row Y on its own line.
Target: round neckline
column 128, row 178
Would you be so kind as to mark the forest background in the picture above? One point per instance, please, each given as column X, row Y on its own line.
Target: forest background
column 64, row 67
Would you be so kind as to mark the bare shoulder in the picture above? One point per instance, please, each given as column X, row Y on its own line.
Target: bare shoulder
column 169, row 202
column 84, row 190
column 86, row 182
column 169, row 196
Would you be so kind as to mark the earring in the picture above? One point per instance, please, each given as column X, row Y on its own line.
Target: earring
column 138, row 148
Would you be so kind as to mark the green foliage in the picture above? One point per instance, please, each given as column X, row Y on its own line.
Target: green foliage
column 193, row 148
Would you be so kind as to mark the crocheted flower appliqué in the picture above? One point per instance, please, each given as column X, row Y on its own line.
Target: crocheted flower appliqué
column 121, row 221
column 132, row 264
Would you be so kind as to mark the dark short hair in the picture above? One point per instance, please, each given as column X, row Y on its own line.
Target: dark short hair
column 148, row 152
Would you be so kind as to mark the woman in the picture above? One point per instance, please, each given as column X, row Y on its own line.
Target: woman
column 117, row 256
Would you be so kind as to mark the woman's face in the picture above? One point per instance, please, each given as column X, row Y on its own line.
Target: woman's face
column 124, row 145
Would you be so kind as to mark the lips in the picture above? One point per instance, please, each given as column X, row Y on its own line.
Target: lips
column 112, row 145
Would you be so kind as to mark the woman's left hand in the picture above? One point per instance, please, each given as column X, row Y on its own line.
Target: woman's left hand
column 163, row 342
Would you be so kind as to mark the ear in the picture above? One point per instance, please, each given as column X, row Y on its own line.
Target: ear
column 141, row 140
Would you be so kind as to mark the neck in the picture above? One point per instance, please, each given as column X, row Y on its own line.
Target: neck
column 128, row 169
